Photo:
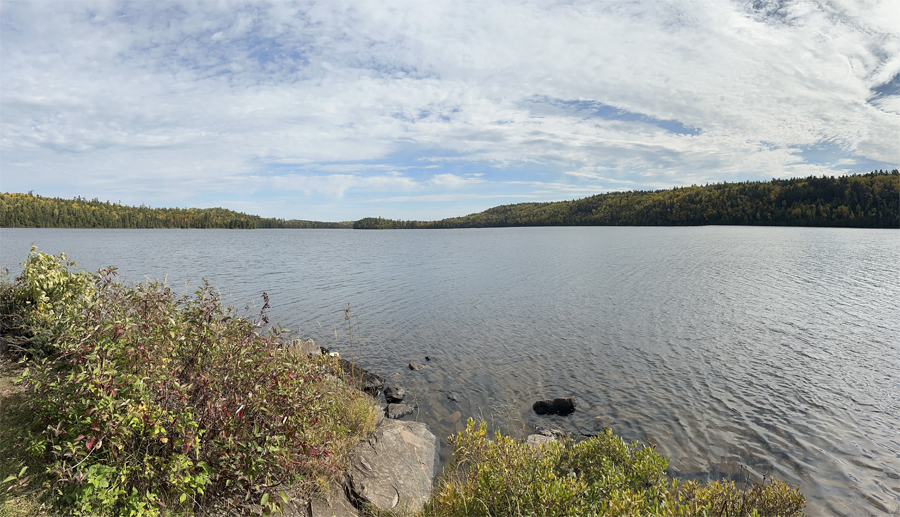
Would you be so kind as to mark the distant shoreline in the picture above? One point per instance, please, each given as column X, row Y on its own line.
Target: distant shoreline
column 869, row 200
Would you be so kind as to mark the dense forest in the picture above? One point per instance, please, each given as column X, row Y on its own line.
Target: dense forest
column 869, row 200
column 31, row 211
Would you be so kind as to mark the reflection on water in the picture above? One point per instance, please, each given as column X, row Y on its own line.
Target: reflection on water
column 741, row 353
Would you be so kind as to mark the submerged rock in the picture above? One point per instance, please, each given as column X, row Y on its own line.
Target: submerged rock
column 453, row 417
column 398, row 410
column 395, row 467
column 417, row 366
column 558, row 406
column 394, row 394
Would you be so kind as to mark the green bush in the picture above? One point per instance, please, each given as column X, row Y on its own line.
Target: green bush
column 157, row 404
column 602, row 476
column 42, row 301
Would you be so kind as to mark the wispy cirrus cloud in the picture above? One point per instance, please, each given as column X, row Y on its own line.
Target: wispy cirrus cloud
column 333, row 105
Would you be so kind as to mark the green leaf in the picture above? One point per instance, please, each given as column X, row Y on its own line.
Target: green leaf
column 265, row 499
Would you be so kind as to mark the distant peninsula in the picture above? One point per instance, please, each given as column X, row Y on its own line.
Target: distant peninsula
column 33, row 211
column 870, row 200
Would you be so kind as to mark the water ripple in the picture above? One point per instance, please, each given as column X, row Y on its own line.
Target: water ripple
column 740, row 353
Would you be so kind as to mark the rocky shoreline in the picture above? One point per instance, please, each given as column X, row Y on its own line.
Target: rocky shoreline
column 395, row 467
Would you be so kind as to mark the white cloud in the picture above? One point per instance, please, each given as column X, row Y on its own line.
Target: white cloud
column 173, row 101
column 449, row 180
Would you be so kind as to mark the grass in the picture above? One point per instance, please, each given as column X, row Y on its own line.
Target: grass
column 18, row 499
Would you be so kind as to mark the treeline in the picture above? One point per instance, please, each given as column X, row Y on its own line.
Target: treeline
column 869, row 200
column 32, row 211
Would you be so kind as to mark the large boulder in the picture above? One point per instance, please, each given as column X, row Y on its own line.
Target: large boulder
column 363, row 379
column 558, row 406
column 395, row 467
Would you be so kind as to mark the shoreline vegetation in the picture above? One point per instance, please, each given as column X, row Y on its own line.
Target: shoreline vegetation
column 129, row 400
column 870, row 200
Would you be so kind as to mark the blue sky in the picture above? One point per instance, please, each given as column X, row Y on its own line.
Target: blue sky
column 422, row 110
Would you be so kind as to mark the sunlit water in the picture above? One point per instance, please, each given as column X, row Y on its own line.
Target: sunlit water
column 741, row 353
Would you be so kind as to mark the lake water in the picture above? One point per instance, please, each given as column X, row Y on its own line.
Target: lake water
column 740, row 352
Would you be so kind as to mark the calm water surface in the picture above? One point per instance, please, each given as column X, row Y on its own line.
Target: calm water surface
column 741, row 353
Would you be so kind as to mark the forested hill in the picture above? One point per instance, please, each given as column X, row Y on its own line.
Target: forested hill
column 859, row 201
column 30, row 211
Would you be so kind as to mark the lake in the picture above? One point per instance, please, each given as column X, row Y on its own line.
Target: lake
column 741, row 353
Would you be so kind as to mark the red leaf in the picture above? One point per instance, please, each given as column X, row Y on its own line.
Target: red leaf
column 90, row 443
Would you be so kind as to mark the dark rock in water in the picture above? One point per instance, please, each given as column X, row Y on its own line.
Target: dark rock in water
column 395, row 467
column 398, row 410
column 417, row 366
column 454, row 396
column 363, row 379
column 427, row 358
column 558, row 406
column 394, row 393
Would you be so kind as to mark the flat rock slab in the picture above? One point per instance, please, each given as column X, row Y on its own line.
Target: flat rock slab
column 398, row 410
column 417, row 366
column 558, row 406
column 395, row 467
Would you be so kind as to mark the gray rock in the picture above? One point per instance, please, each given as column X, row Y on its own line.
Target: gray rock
column 394, row 394
column 335, row 504
column 363, row 379
column 398, row 410
column 338, row 506
column 551, row 429
column 417, row 366
column 395, row 467
column 538, row 439
column 558, row 406
column 305, row 347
